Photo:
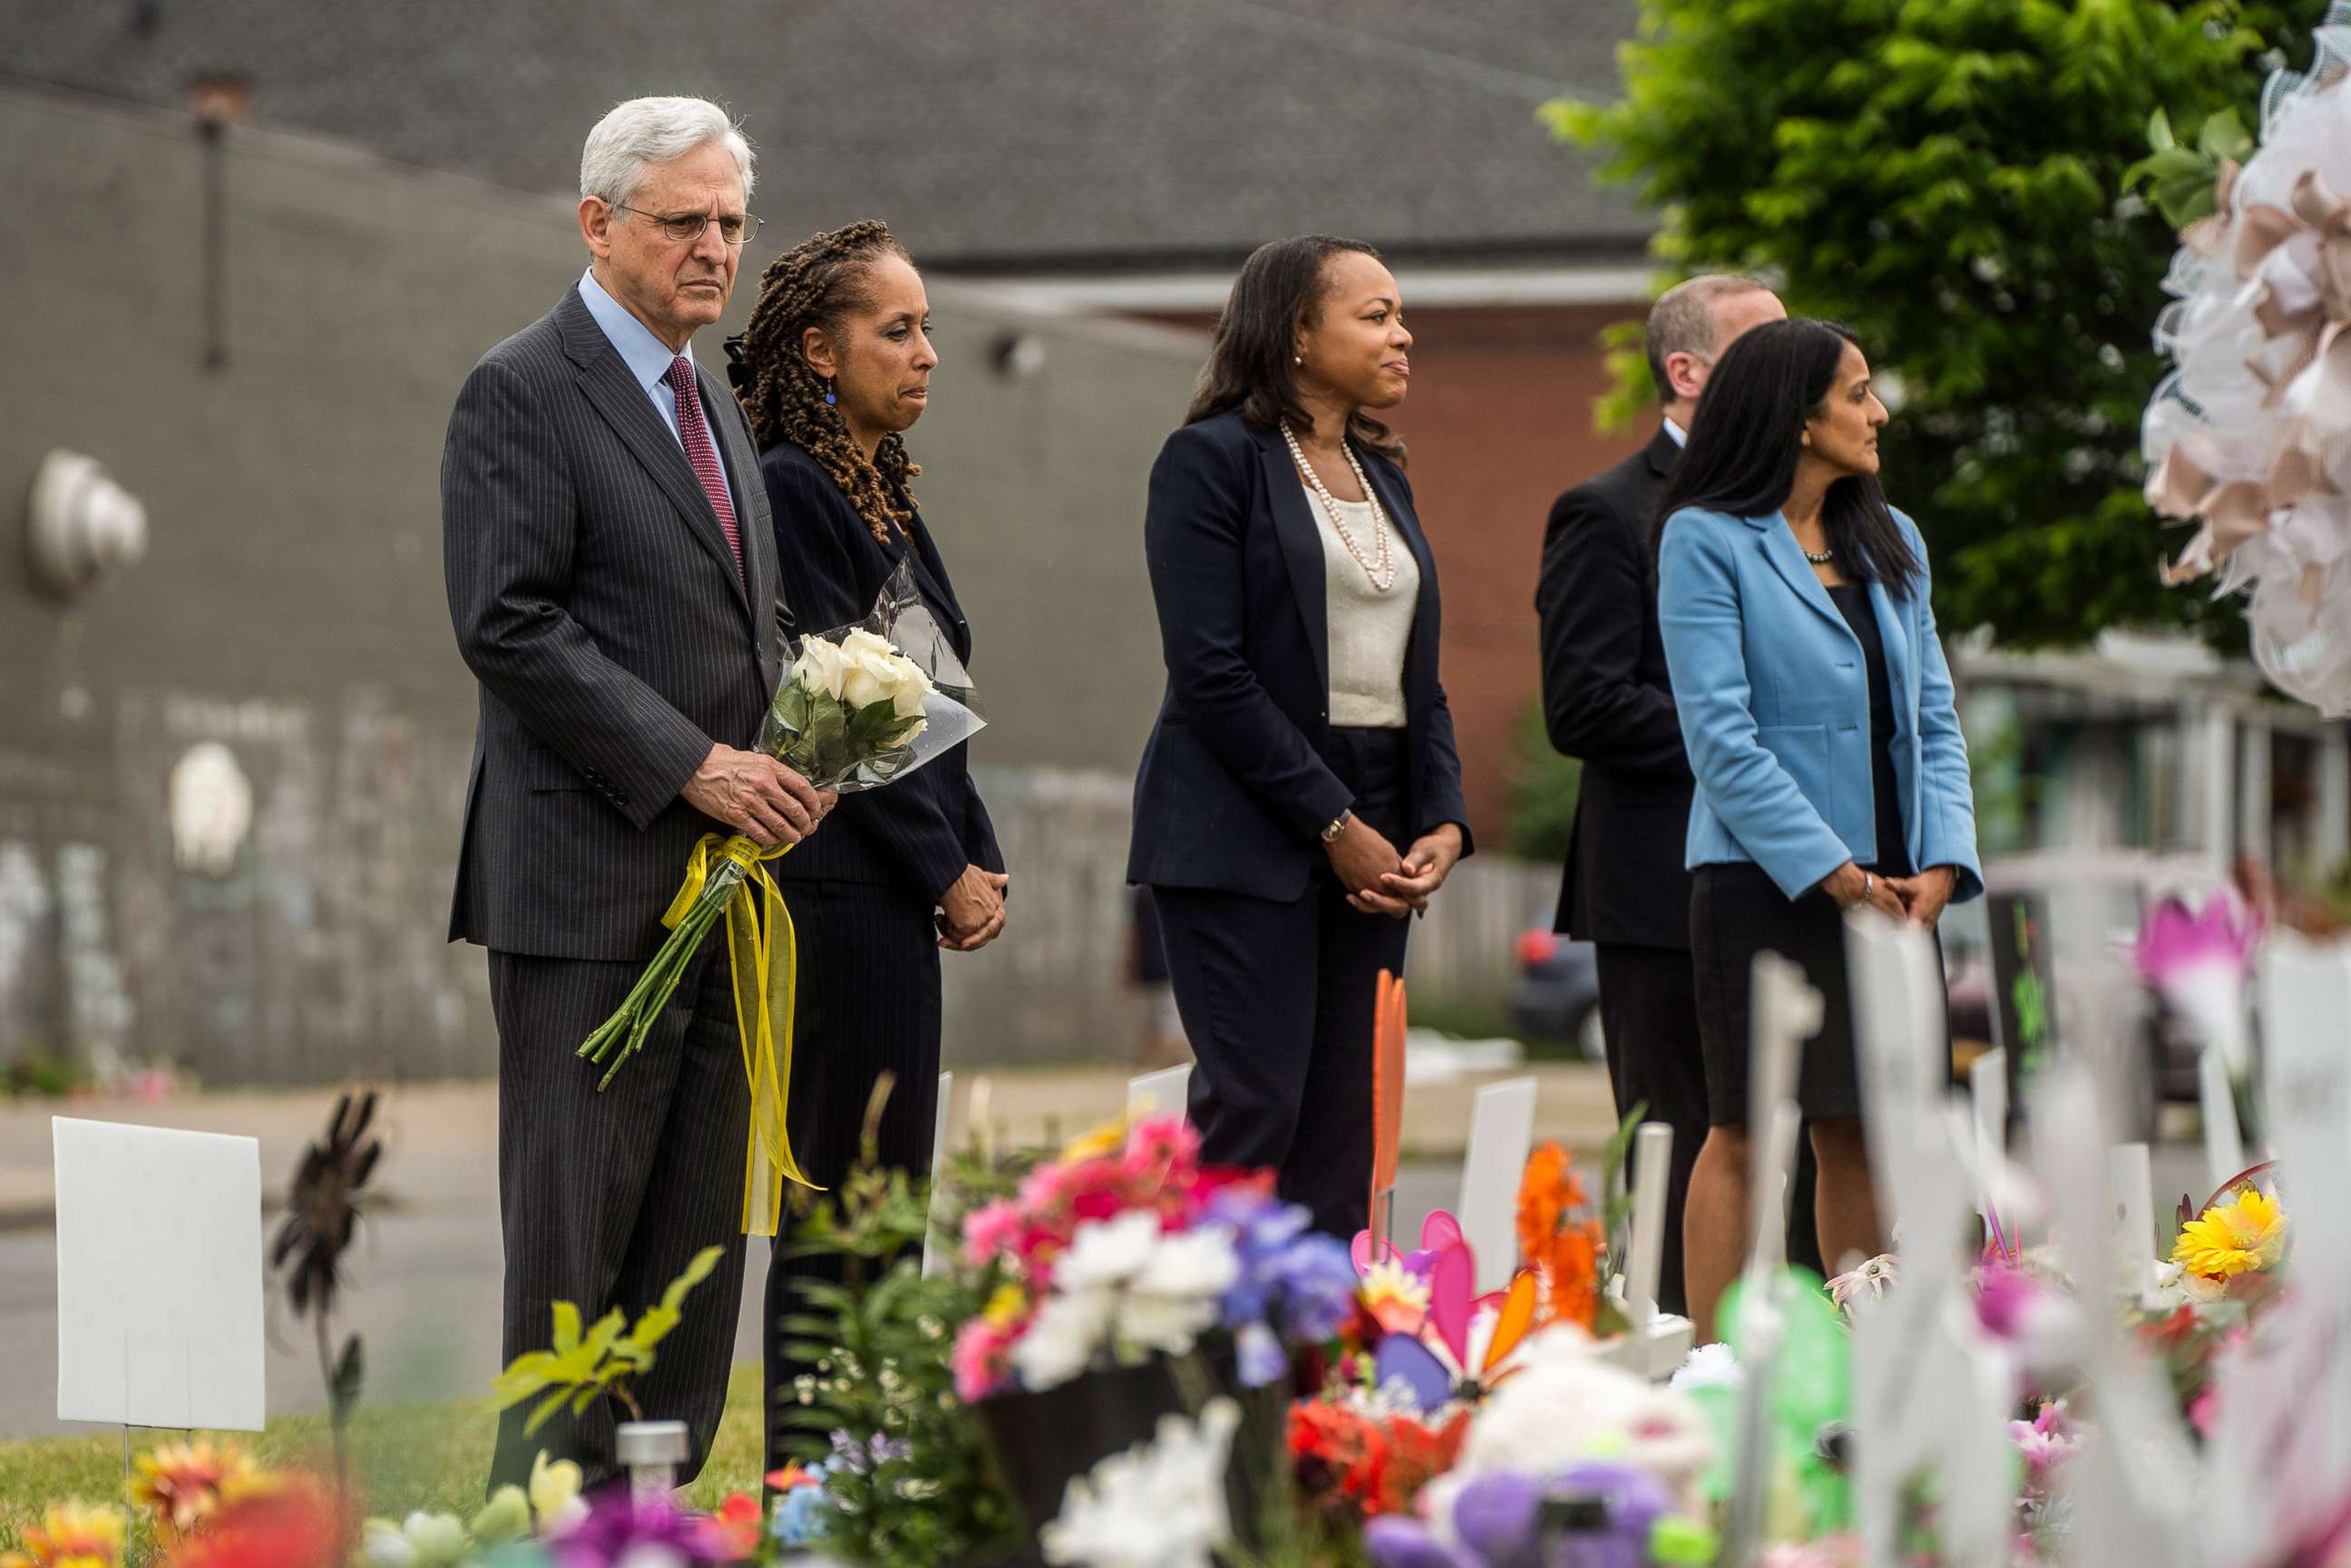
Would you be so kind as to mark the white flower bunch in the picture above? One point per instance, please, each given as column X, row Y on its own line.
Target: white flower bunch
column 849, row 707
column 1125, row 1287
column 1158, row 1505
column 861, row 670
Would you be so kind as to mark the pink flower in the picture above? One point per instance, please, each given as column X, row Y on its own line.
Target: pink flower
column 1163, row 1151
column 2047, row 1440
column 980, row 1358
column 2204, row 1411
column 2005, row 1299
column 1045, row 1189
column 990, row 1229
column 2177, row 940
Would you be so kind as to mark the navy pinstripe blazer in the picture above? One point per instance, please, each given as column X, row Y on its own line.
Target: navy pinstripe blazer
column 597, row 603
column 918, row 834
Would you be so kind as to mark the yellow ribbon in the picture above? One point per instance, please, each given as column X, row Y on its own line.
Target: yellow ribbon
column 764, row 990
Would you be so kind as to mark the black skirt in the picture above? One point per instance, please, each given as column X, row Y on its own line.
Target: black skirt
column 1736, row 911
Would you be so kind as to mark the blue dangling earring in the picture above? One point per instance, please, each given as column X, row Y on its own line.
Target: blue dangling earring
column 828, row 399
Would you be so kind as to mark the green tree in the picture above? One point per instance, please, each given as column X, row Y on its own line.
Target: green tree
column 1951, row 178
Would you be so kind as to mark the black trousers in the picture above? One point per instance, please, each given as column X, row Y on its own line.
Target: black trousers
column 1648, row 1017
column 606, row 1197
column 1278, row 1000
column 868, row 1003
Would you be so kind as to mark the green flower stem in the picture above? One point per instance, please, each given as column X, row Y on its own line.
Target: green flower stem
column 628, row 1026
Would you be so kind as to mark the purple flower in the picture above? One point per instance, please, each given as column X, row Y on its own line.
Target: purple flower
column 616, row 1528
column 1259, row 1354
column 1317, row 1282
column 1398, row 1540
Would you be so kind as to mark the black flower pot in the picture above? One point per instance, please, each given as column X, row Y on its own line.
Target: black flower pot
column 1044, row 1439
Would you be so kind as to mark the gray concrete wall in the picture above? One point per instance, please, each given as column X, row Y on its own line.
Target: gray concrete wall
column 291, row 608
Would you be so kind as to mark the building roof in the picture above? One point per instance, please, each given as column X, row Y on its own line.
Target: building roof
column 994, row 135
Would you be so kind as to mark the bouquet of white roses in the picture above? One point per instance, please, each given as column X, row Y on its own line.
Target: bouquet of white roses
column 859, row 706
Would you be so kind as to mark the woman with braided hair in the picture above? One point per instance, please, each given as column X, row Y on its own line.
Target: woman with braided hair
column 833, row 367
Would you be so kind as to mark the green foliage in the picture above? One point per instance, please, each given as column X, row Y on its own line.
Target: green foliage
column 584, row 1367
column 1954, row 180
column 882, row 1370
column 1544, row 786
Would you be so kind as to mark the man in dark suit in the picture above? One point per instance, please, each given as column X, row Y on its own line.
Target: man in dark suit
column 611, row 576
column 1607, row 700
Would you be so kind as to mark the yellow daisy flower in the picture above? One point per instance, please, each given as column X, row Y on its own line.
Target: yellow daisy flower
column 1396, row 1298
column 1005, row 1307
column 182, row 1484
column 2243, row 1236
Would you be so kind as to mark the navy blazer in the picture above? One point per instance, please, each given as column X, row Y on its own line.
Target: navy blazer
column 1236, row 784
column 920, row 832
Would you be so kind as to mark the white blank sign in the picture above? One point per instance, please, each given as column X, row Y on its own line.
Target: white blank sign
column 1165, row 1092
column 159, row 1276
column 1501, row 1131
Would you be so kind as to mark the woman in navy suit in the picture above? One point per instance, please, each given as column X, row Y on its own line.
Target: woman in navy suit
column 1818, row 714
column 833, row 366
column 1299, row 796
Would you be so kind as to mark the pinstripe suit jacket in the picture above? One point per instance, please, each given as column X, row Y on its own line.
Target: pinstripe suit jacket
column 597, row 601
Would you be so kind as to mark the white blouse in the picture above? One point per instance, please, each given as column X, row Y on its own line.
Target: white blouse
column 1368, row 630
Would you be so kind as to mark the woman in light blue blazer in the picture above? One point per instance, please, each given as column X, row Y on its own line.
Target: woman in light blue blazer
column 1817, row 711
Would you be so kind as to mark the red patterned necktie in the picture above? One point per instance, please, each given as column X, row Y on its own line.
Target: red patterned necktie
column 695, row 431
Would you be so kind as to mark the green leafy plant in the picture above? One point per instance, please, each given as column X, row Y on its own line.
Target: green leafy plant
column 1959, row 181
column 908, row 1479
column 586, row 1366
column 1544, row 787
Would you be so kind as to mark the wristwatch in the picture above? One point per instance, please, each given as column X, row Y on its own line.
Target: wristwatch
column 1338, row 825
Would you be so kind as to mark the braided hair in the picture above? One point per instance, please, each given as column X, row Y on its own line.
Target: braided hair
column 817, row 283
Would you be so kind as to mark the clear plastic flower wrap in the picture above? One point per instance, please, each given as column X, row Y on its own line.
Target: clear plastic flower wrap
column 865, row 705
column 859, row 707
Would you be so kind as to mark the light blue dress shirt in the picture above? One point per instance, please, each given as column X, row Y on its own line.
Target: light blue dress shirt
column 648, row 358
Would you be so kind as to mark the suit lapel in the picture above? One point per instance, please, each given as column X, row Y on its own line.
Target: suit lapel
column 931, row 577
column 606, row 383
column 1787, row 558
column 1302, row 546
column 753, row 521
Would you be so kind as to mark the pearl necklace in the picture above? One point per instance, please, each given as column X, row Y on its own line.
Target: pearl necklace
column 1381, row 570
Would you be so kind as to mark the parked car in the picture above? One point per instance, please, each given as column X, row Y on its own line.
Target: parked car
column 1558, row 994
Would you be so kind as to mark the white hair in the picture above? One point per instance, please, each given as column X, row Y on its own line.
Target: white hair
column 644, row 132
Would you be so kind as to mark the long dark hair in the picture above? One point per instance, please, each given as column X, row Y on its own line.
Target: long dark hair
column 817, row 283
column 1281, row 288
column 1743, row 440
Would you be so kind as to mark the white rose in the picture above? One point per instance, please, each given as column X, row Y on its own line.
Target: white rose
column 912, row 690
column 866, row 678
column 820, row 669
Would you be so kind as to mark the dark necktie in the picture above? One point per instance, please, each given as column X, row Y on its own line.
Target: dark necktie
column 695, row 432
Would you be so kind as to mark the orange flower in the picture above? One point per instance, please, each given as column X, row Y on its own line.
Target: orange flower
column 1558, row 1240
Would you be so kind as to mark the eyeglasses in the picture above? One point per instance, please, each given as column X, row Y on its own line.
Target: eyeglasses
column 734, row 228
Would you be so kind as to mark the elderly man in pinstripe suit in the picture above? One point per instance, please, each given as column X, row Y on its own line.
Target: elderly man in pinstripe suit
column 612, row 579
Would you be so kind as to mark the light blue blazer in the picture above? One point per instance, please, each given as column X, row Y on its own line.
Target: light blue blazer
column 1773, row 697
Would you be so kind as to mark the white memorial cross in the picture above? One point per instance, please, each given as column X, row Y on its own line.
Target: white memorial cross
column 1931, row 1389
column 2133, row 1480
column 1661, row 1339
column 2284, row 1440
column 1787, row 1012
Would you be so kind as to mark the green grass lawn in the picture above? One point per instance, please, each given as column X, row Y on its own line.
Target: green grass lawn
column 407, row 1456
